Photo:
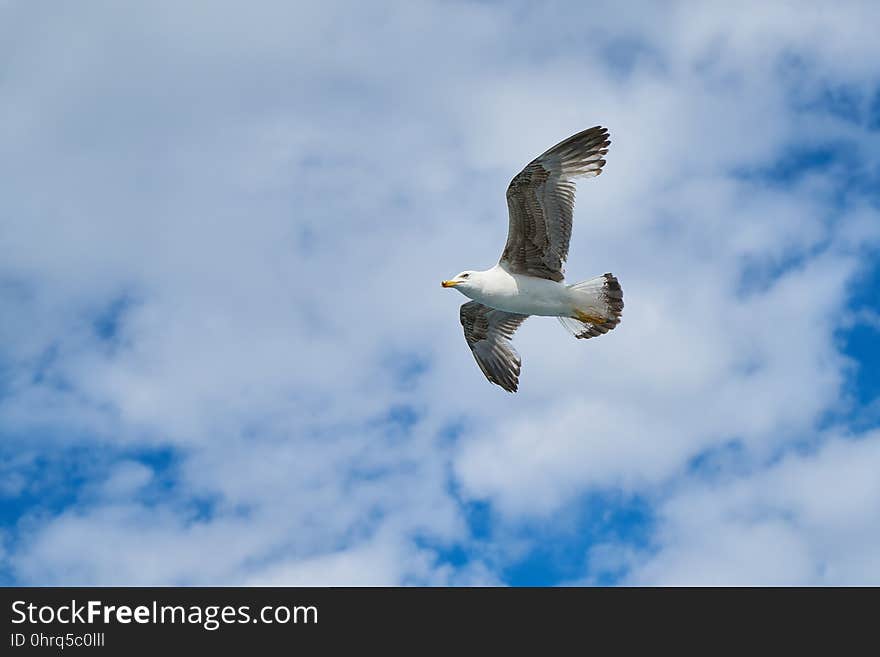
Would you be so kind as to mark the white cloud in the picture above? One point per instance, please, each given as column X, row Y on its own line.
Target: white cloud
column 127, row 478
column 221, row 172
column 810, row 519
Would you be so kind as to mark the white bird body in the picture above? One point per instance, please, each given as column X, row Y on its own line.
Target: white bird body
column 517, row 293
column 528, row 279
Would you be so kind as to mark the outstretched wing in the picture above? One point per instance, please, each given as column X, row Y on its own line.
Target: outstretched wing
column 540, row 200
column 488, row 333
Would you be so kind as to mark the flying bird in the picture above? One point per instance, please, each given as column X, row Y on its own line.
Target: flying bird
column 529, row 278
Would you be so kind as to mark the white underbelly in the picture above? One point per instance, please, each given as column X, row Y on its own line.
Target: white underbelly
column 529, row 296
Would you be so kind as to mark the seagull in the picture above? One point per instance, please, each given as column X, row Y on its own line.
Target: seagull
column 529, row 278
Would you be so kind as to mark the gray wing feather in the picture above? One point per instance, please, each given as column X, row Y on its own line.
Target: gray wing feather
column 488, row 333
column 540, row 201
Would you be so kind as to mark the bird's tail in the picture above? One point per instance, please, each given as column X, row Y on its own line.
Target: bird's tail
column 598, row 305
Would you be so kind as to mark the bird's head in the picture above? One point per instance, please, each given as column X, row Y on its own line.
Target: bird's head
column 464, row 281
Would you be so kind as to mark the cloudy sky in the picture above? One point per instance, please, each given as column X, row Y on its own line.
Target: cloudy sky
column 225, row 357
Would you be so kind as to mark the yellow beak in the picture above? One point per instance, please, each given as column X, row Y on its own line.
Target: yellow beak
column 450, row 283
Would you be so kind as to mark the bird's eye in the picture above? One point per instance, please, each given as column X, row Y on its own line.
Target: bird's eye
column 465, row 275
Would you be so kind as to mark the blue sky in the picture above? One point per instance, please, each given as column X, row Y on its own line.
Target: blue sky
column 225, row 357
